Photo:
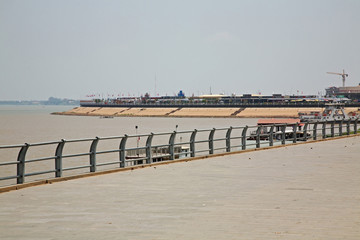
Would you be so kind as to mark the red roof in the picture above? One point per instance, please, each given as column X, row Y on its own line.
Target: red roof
column 271, row 121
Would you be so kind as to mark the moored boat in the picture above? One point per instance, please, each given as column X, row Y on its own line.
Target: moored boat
column 332, row 112
column 278, row 128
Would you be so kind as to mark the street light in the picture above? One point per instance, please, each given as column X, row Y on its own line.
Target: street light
column 137, row 140
column 176, row 128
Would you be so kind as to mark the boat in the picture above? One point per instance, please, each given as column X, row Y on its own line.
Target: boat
column 158, row 154
column 266, row 124
column 332, row 112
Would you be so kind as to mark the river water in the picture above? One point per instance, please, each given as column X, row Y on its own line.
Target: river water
column 20, row 124
column 34, row 124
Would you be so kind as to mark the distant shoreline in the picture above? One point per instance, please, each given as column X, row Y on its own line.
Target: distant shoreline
column 51, row 101
column 192, row 112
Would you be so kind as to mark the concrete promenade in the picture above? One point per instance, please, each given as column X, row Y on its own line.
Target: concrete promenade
column 308, row 191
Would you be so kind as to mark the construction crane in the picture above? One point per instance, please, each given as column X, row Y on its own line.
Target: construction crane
column 343, row 75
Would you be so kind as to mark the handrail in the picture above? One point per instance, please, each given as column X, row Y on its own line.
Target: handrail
column 168, row 147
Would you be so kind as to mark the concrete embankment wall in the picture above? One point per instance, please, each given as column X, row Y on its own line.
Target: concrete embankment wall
column 192, row 112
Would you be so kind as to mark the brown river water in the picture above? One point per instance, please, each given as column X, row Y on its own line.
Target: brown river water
column 34, row 124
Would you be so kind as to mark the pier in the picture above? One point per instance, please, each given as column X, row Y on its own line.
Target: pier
column 305, row 191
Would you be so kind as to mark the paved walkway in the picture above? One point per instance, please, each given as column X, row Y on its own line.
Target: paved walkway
column 308, row 191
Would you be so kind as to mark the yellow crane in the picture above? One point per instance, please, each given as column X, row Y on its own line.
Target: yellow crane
column 343, row 75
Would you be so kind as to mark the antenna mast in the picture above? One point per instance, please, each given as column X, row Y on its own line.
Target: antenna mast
column 155, row 85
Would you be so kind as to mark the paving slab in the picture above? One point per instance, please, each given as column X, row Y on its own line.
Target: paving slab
column 308, row 191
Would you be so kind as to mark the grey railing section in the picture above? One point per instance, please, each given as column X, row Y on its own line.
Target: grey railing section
column 193, row 143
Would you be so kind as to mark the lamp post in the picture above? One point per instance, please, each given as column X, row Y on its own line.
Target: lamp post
column 137, row 140
column 176, row 128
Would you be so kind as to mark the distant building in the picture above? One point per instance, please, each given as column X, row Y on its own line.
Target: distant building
column 181, row 94
column 348, row 92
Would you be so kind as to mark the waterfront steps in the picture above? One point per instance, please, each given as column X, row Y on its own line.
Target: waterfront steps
column 192, row 112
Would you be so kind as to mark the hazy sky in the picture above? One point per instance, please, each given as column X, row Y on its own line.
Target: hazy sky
column 74, row 48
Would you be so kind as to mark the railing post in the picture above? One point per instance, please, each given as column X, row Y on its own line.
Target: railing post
column 258, row 132
column 348, row 127
column 148, row 148
column 21, row 164
column 295, row 127
column 243, row 138
column 340, row 128
column 283, row 137
column 192, row 143
column 122, row 151
column 228, row 140
column 315, row 130
column 211, row 141
column 58, row 158
column 355, row 126
column 324, row 129
column 171, row 145
column 93, row 154
column 305, row 130
column 271, row 136
column 333, row 128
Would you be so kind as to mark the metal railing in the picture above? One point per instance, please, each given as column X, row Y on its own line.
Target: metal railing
column 129, row 150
